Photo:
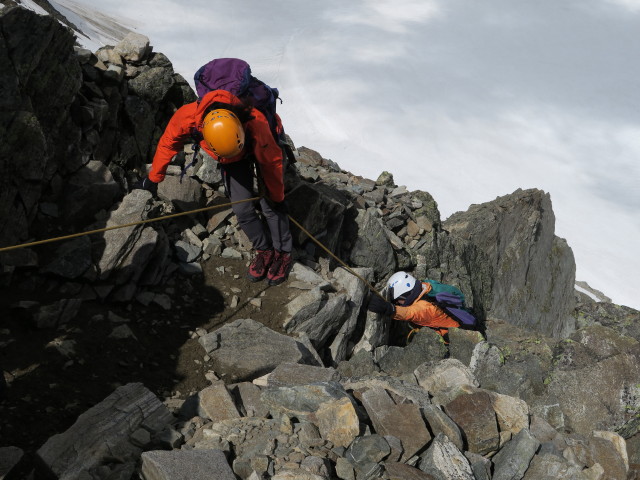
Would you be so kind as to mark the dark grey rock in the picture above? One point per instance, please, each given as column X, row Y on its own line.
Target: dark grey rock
column 187, row 252
column 371, row 248
column 402, row 420
column 103, row 432
column 89, row 190
column 57, row 313
column 356, row 291
column 625, row 320
column 10, row 457
column 250, row 404
column 326, row 322
column 186, row 464
column 40, row 78
column 610, row 382
column 142, row 118
column 440, row 423
column 367, row 449
column 546, row 466
column 462, row 343
column 320, row 211
column 289, row 374
column 475, row 416
column 127, row 250
column 185, row 193
column 303, row 307
column 480, row 466
column 426, row 346
column 303, row 400
column 443, row 460
column 360, row 364
column 516, row 232
column 399, row 388
column 237, row 350
column 71, row 260
column 152, row 84
column 512, row 461
column 402, row 471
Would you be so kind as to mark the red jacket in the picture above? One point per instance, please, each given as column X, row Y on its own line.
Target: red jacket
column 426, row 314
column 178, row 132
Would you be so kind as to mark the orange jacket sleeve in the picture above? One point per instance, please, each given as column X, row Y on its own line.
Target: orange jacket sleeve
column 268, row 155
column 177, row 133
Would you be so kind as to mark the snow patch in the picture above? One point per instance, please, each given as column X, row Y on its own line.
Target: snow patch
column 96, row 29
column 587, row 293
column 33, row 6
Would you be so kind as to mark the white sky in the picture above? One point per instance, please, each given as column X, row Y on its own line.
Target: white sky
column 505, row 94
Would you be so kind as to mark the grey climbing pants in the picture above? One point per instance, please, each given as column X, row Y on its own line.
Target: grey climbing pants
column 238, row 182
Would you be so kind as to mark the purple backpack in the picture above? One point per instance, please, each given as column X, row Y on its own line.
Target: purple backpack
column 453, row 305
column 234, row 75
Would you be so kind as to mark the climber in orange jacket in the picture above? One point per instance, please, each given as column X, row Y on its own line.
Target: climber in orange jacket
column 236, row 135
column 407, row 304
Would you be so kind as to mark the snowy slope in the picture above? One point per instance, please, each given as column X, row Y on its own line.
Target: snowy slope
column 506, row 94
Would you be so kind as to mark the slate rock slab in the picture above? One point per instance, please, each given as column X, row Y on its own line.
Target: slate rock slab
column 103, row 431
column 186, row 465
column 239, row 350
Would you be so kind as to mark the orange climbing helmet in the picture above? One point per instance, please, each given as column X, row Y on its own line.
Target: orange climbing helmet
column 223, row 133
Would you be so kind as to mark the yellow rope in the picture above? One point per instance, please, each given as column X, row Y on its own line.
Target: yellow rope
column 141, row 222
column 340, row 261
column 100, row 230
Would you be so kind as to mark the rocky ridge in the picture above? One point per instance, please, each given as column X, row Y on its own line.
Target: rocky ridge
column 547, row 389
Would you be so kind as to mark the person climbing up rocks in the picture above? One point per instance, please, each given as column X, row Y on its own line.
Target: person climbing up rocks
column 408, row 303
column 238, row 136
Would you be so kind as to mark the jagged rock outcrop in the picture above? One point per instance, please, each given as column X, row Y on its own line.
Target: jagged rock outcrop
column 75, row 125
column 532, row 270
column 39, row 80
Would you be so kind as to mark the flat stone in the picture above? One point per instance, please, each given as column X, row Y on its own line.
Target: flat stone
column 104, row 431
column 403, row 421
column 475, row 416
column 238, row 352
column 216, row 403
column 9, row 458
column 186, row 465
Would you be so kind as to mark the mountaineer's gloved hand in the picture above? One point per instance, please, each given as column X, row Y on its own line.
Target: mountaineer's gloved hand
column 280, row 207
column 148, row 185
column 378, row 305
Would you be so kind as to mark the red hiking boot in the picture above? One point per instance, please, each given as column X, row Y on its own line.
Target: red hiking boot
column 280, row 268
column 260, row 265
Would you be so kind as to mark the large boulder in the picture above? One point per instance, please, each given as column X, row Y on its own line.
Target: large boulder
column 90, row 189
column 192, row 464
column 245, row 350
column 103, row 433
column 39, row 78
column 533, row 271
column 593, row 389
column 128, row 250
column 319, row 210
column 371, row 247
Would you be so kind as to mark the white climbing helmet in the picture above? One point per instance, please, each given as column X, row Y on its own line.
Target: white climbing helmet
column 400, row 284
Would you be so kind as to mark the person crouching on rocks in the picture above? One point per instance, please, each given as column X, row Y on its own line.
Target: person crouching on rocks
column 235, row 135
column 409, row 304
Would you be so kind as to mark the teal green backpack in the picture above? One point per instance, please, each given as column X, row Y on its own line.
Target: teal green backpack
column 451, row 299
column 437, row 287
